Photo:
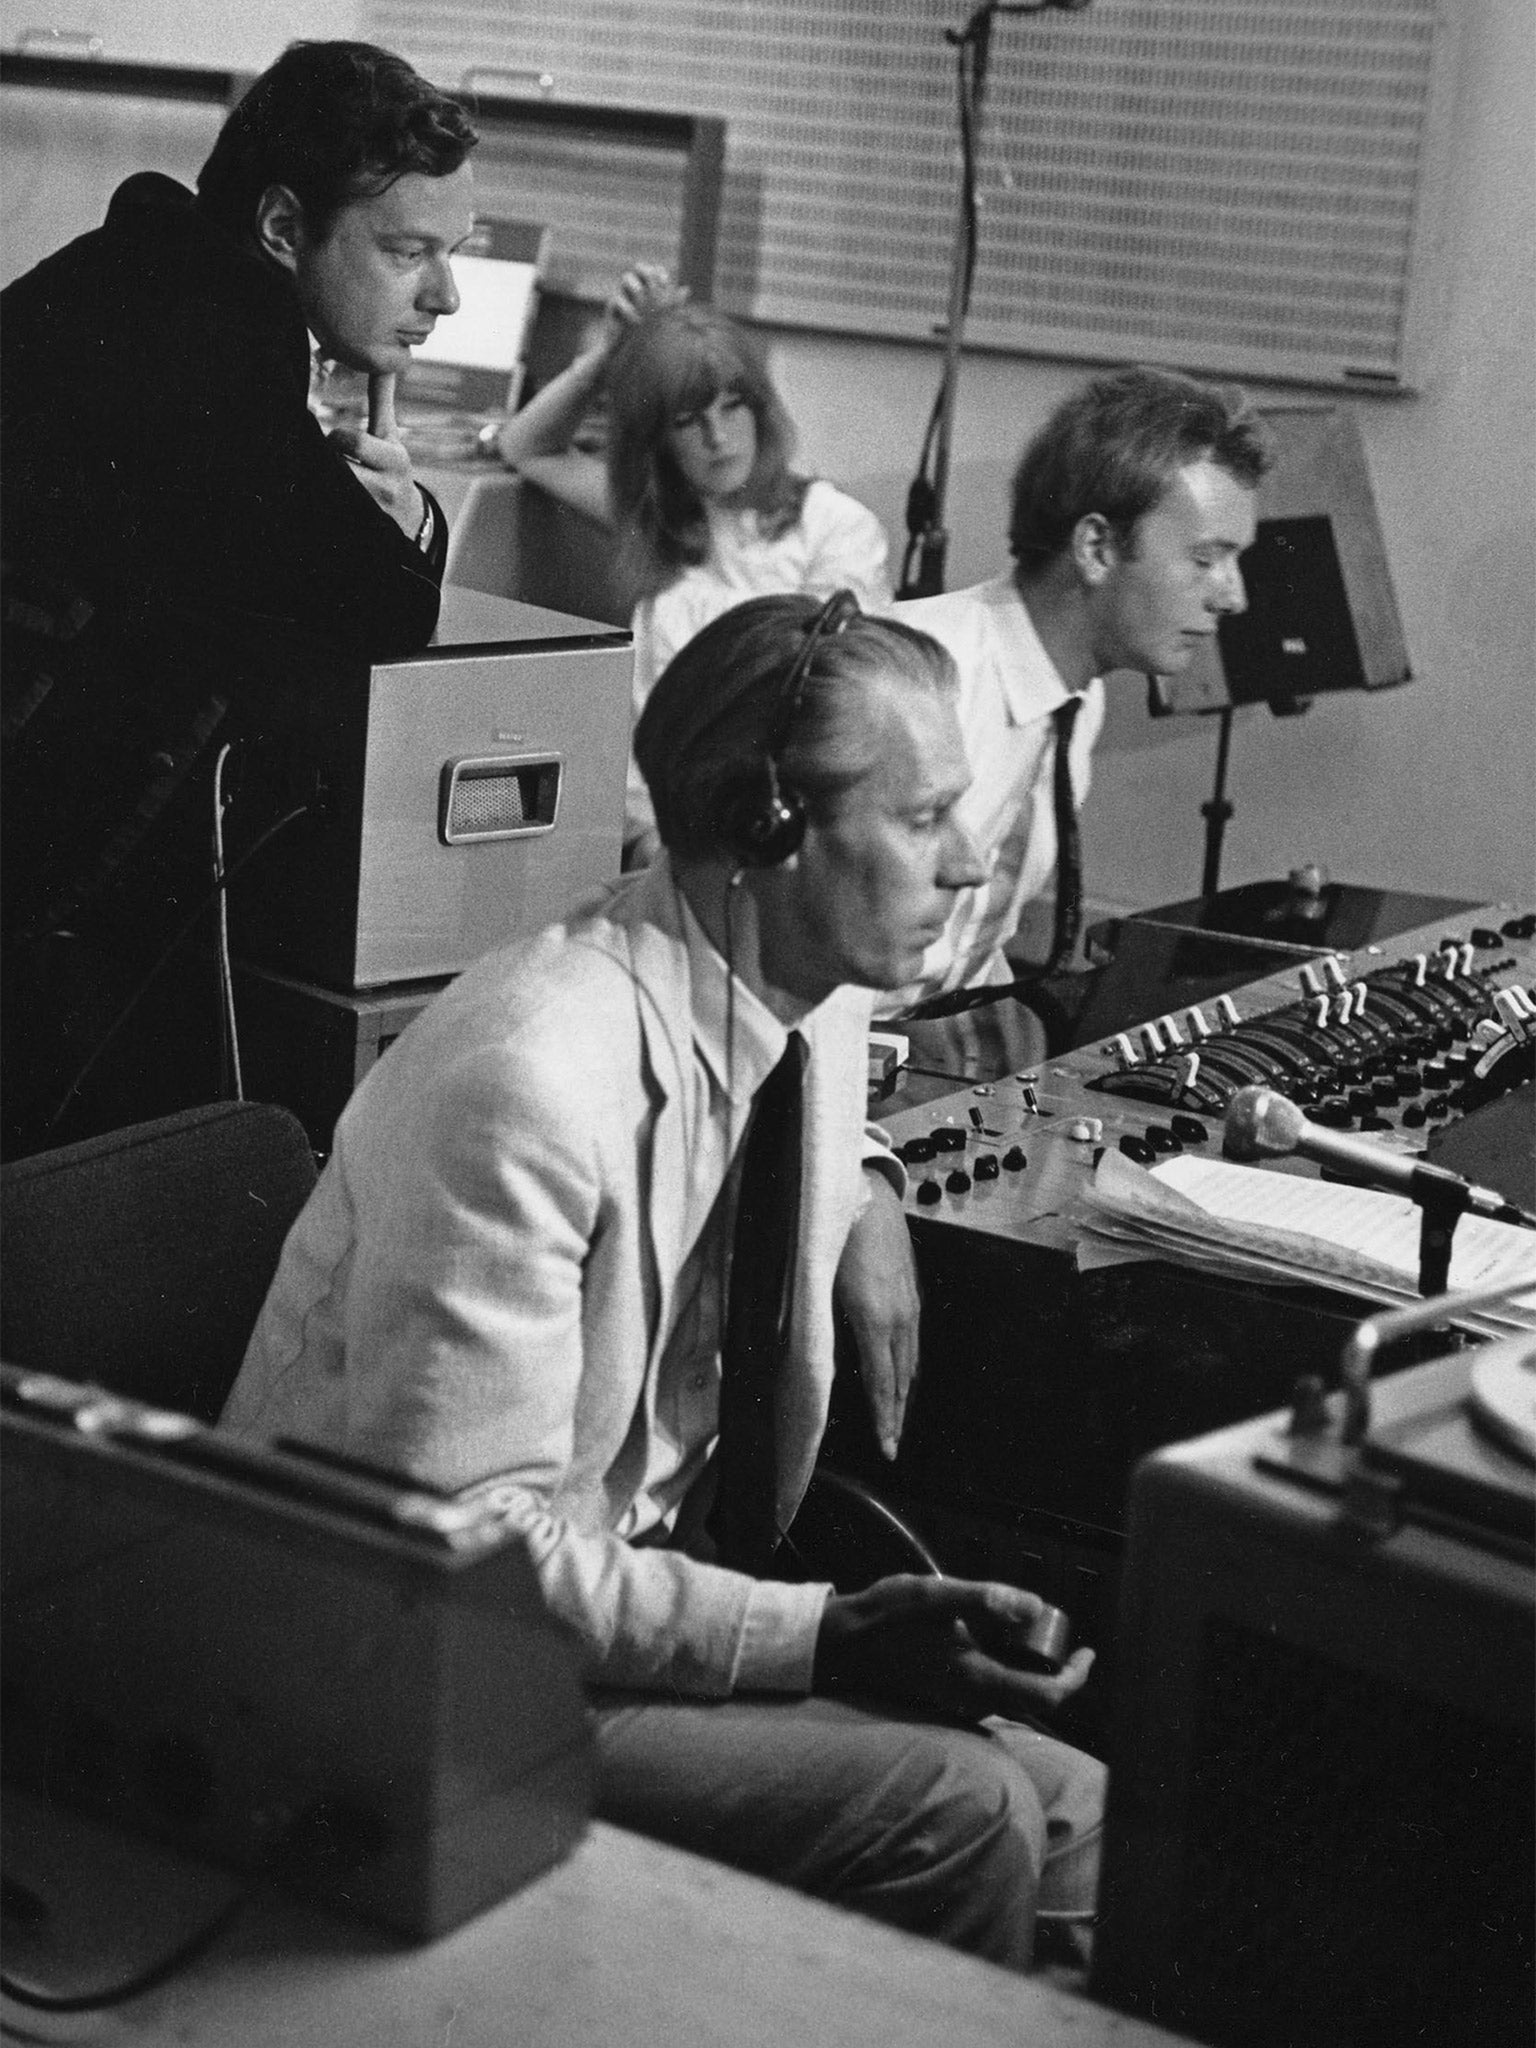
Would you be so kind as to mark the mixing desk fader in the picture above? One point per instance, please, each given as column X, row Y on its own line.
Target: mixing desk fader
column 1399, row 1041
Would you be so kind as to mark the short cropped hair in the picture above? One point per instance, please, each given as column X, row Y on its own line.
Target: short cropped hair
column 680, row 359
column 715, row 715
column 1113, row 447
column 333, row 122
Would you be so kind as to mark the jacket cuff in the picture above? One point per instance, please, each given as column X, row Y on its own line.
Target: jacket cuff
column 776, row 1651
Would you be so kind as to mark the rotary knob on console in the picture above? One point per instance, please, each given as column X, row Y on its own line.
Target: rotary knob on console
column 1308, row 898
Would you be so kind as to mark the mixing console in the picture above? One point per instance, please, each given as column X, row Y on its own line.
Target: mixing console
column 1398, row 1041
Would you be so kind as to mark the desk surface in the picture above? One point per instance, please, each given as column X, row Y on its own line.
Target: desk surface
column 628, row 1944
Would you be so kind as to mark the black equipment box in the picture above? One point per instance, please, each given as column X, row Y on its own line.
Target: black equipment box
column 312, row 1674
column 1320, row 1814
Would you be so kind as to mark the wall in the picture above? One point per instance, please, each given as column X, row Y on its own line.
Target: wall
column 1432, row 786
column 208, row 32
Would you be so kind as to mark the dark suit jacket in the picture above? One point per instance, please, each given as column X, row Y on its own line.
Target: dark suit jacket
column 180, row 544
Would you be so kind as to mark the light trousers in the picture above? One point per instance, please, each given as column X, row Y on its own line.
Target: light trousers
column 963, row 1834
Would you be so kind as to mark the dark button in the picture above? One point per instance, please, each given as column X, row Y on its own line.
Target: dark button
column 949, row 1138
column 956, row 1183
column 1436, row 1074
column 1361, row 1102
column 1485, row 940
column 1335, row 1114
column 1438, row 1105
column 1520, row 927
column 1385, row 1091
column 1137, row 1149
column 1414, row 1115
column 917, row 1150
column 1014, row 1159
column 984, row 1166
column 1409, row 1080
column 928, row 1192
column 1189, row 1130
column 1458, row 1065
column 1450, row 944
column 1160, row 1138
column 1372, row 1122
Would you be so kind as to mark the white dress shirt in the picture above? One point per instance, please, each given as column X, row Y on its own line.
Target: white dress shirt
column 1009, row 690
column 835, row 544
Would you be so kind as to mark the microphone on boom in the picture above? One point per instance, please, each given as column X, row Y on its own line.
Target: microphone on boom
column 1262, row 1124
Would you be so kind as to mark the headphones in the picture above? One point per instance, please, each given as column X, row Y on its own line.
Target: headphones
column 760, row 821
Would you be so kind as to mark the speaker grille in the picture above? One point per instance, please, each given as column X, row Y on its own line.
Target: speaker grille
column 498, row 799
column 1358, row 1860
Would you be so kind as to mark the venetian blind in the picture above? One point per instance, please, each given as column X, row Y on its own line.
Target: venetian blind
column 1235, row 185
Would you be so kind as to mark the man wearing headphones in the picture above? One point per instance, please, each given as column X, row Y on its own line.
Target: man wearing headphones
column 552, row 1262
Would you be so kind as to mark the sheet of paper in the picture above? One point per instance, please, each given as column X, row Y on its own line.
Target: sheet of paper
column 1287, row 1229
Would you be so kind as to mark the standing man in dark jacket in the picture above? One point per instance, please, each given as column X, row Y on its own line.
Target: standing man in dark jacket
column 185, row 548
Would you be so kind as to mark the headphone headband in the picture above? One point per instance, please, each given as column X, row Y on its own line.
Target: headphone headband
column 761, row 823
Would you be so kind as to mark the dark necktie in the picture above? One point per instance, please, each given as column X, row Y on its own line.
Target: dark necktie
column 757, row 1318
column 1069, row 845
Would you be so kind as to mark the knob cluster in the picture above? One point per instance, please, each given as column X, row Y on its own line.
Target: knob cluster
column 1400, row 1041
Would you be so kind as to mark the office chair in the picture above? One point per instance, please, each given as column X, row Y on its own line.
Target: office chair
column 139, row 1260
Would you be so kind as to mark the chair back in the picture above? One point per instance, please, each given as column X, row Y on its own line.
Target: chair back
column 139, row 1260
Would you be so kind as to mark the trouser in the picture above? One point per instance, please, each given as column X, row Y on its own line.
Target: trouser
column 963, row 1834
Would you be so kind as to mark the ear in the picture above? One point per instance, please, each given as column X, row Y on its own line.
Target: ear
column 280, row 226
column 1093, row 548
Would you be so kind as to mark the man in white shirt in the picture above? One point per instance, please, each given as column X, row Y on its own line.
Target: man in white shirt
column 1129, row 511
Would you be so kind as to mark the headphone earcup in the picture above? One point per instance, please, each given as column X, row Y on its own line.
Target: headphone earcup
column 758, row 823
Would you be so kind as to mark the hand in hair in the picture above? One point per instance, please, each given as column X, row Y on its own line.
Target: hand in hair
column 645, row 289
column 546, row 423
column 379, row 458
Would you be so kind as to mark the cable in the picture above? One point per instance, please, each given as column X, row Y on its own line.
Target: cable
column 231, row 1046
column 178, row 939
column 131, row 1987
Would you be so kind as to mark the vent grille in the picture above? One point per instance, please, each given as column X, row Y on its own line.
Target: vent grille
column 1236, row 185
column 498, row 798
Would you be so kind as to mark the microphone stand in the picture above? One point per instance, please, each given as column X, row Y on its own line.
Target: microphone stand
column 1442, row 1204
column 928, row 537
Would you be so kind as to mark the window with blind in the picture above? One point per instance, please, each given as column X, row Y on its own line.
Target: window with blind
column 1244, row 186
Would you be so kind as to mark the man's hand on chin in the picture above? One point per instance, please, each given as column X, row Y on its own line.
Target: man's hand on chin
column 380, row 460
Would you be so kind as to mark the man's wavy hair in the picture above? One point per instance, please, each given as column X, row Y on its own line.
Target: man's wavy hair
column 717, row 712
column 679, row 360
column 1113, row 447
column 333, row 122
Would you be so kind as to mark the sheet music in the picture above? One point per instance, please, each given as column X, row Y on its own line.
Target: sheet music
column 1289, row 1229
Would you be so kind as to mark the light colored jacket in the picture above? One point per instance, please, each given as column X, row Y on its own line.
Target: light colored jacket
column 478, row 1291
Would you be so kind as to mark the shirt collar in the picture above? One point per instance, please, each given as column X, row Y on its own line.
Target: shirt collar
column 735, row 1033
column 1032, row 682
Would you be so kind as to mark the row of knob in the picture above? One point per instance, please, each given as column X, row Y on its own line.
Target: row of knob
column 944, row 1139
column 1350, row 1050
